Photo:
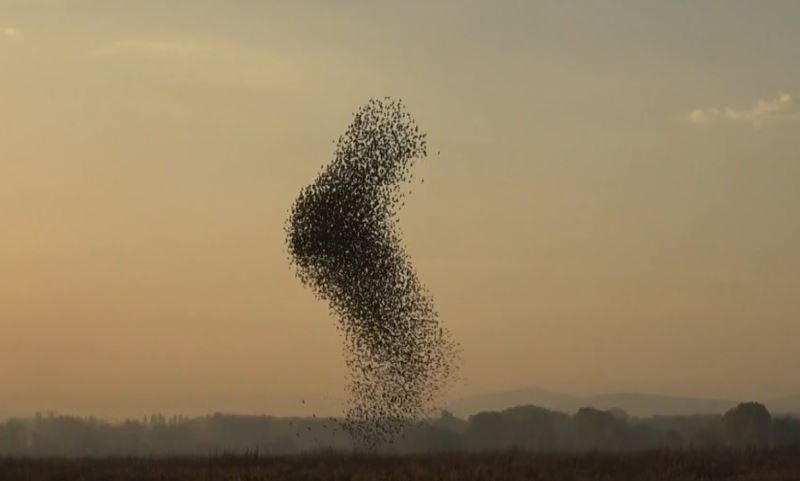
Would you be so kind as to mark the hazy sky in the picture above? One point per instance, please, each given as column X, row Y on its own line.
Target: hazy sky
column 615, row 206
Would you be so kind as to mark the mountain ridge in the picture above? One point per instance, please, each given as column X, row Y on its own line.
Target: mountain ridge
column 634, row 403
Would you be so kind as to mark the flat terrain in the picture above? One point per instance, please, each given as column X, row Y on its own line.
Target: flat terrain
column 653, row 466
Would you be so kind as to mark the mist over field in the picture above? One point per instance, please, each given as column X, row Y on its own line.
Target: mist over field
column 527, row 427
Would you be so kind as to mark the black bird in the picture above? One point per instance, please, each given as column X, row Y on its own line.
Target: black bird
column 343, row 240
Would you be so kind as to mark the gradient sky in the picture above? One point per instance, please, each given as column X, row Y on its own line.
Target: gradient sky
column 615, row 205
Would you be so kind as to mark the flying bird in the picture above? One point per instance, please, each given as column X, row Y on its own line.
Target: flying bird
column 344, row 242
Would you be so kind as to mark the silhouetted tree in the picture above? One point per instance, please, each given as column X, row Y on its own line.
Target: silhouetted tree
column 527, row 428
column 748, row 425
column 599, row 429
column 534, row 428
column 448, row 420
column 786, row 432
column 486, row 431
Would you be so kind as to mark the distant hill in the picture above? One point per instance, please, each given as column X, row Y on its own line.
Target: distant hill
column 635, row 404
column 785, row 405
column 499, row 400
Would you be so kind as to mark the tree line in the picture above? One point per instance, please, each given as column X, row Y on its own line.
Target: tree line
column 530, row 428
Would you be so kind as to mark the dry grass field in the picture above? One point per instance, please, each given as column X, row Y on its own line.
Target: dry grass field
column 652, row 466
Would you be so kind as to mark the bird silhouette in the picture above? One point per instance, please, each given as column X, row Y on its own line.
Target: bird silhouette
column 344, row 242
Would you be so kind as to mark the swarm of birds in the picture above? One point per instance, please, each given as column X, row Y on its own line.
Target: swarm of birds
column 343, row 240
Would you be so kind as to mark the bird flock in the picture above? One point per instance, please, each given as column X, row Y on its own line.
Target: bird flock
column 345, row 245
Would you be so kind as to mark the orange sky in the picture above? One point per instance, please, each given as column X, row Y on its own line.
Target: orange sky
column 614, row 206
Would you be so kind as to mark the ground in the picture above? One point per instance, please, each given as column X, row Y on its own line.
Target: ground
column 652, row 466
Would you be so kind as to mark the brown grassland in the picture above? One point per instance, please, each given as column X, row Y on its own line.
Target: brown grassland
column 653, row 466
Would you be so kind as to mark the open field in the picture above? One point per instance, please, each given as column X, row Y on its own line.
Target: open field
column 653, row 466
